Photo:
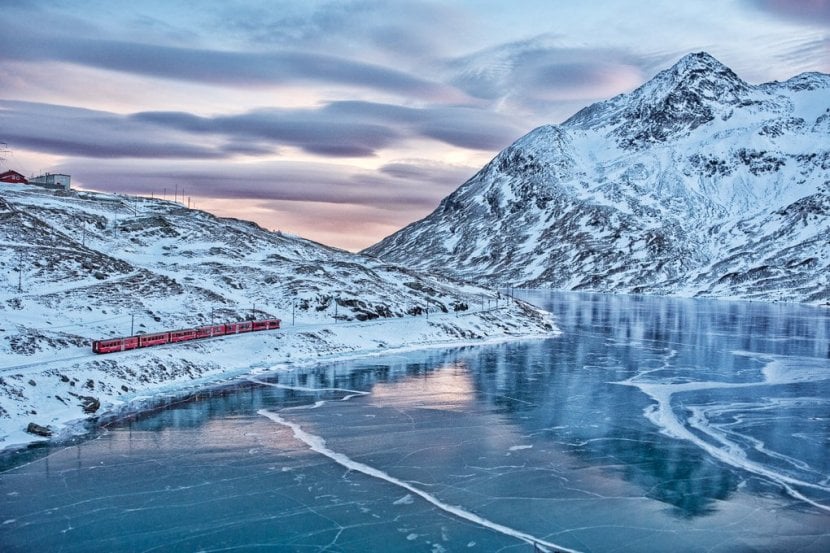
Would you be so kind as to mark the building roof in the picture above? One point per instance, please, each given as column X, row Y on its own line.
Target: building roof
column 12, row 176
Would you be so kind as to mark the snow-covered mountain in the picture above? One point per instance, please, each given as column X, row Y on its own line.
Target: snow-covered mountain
column 78, row 266
column 696, row 183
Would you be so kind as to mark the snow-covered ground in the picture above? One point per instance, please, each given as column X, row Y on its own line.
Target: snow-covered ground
column 75, row 267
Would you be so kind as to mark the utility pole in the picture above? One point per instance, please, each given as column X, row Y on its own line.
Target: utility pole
column 132, row 324
column 20, row 271
column 293, row 305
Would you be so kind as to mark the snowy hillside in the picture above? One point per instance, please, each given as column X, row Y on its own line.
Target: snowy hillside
column 81, row 266
column 695, row 184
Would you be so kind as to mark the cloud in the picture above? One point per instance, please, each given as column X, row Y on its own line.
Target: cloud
column 81, row 132
column 232, row 69
column 812, row 55
column 804, row 11
column 411, row 30
column 538, row 73
column 305, row 129
column 401, row 186
column 341, row 129
column 350, row 129
column 465, row 127
column 427, row 172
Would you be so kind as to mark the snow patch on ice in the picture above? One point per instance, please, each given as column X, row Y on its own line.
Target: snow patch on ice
column 697, row 430
column 405, row 500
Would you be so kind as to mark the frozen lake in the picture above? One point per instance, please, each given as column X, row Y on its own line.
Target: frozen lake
column 651, row 424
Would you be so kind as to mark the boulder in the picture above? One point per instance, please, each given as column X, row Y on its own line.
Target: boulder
column 39, row 430
column 89, row 404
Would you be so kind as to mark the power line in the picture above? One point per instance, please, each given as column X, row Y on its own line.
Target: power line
column 83, row 324
column 4, row 150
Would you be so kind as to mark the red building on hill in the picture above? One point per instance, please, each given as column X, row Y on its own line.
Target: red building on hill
column 13, row 176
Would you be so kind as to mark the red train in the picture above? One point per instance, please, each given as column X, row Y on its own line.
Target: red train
column 146, row 340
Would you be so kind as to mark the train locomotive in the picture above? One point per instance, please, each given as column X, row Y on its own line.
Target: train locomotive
column 111, row 345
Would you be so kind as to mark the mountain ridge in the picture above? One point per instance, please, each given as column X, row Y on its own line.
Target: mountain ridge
column 656, row 191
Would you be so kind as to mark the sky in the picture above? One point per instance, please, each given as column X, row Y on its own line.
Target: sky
column 342, row 121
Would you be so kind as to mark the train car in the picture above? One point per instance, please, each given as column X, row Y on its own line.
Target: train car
column 114, row 344
column 236, row 328
column 210, row 331
column 266, row 324
column 183, row 335
column 147, row 340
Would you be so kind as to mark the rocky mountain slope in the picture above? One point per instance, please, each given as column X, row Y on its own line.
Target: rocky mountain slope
column 80, row 266
column 695, row 184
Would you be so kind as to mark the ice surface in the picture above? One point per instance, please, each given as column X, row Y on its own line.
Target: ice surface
column 650, row 424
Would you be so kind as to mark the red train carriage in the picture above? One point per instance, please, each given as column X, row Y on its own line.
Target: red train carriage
column 182, row 335
column 114, row 344
column 210, row 331
column 266, row 324
column 146, row 340
column 236, row 328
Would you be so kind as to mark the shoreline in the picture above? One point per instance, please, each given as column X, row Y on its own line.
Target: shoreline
column 52, row 393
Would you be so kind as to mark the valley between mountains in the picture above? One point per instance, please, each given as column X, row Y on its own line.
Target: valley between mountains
column 695, row 184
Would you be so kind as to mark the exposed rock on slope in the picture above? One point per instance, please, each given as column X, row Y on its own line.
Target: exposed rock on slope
column 696, row 183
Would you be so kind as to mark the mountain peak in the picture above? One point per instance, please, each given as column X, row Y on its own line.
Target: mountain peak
column 691, row 93
column 697, row 73
column 697, row 61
